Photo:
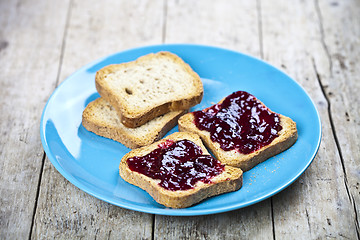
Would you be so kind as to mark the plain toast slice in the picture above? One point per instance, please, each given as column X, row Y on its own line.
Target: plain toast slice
column 101, row 118
column 286, row 138
column 228, row 180
column 148, row 87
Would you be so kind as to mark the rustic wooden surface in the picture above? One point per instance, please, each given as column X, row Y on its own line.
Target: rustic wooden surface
column 317, row 42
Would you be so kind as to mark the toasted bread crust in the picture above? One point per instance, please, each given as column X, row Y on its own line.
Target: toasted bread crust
column 94, row 120
column 287, row 137
column 131, row 118
column 229, row 180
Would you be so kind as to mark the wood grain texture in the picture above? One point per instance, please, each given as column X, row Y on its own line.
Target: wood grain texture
column 95, row 29
column 311, row 207
column 99, row 28
column 340, row 36
column 248, row 223
column 66, row 212
column 233, row 25
column 28, row 70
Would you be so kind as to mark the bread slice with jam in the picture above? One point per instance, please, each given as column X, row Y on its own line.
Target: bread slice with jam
column 178, row 171
column 148, row 87
column 101, row 118
column 241, row 131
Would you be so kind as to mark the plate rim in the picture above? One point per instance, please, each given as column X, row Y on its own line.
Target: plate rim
column 168, row 211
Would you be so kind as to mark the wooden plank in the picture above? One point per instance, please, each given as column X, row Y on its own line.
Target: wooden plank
column 119, row 25
column 233, row 25
column 96, row 28
column 340, row 31
column 28, row 70
column 248, row 223
column 317, row 206
column 66, row 212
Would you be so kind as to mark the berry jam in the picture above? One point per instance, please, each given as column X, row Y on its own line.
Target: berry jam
column 179, row 165
column 240, row 122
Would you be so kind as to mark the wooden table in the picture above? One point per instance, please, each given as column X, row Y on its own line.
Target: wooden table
column 317, row 42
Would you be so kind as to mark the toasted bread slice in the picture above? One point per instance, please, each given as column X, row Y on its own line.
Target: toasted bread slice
column 148, row 87
column 228, row 180
column 286, row 138
column 100, row 118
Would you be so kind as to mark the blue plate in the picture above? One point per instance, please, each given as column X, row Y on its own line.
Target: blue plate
column 91, row 162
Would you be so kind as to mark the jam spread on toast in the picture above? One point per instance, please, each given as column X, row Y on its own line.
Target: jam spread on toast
column 178, row 165
column 240, row 122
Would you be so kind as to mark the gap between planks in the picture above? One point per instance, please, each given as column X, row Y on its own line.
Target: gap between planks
column 261, row 49
column 56, row 83
column 322, row 35
column 153, row 227
column 165, row 8
column 63, row 44
column 37, row 195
